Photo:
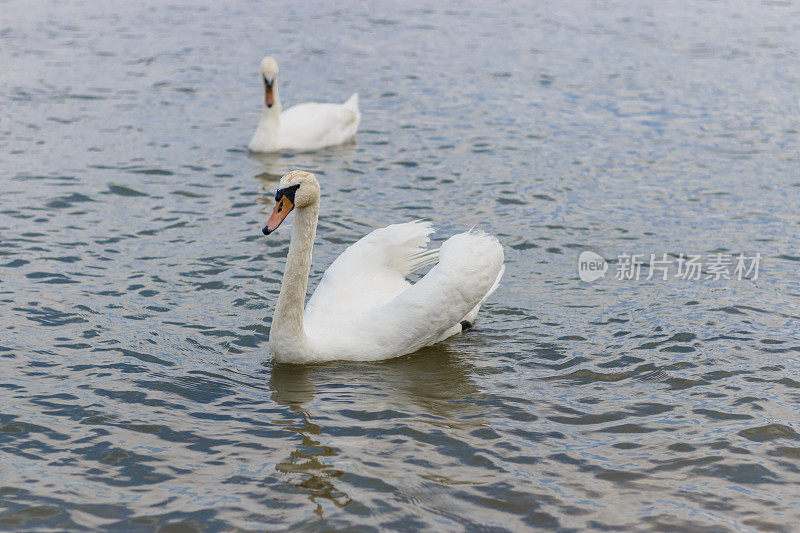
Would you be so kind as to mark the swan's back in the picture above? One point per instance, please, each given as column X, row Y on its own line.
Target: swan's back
column 313, row 125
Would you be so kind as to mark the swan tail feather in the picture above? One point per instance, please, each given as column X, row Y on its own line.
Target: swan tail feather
column 473, row 314
column 496, row 283
column 351, row 105
column 352, row 102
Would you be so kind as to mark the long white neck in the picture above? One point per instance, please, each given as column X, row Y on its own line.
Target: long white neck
column 287, row 336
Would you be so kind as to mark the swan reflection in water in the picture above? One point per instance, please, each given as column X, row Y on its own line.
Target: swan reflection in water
column 270, row 166
column 432, row 387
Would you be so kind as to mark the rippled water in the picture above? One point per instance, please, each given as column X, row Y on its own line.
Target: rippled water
column 136, row 288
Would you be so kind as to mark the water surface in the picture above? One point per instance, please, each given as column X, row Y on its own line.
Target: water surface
column 136, row 288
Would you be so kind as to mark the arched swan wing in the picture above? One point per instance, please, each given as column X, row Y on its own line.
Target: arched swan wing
column 370, row 272
column 470, row 266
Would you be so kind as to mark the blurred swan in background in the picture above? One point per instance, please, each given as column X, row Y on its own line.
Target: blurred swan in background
column 364, row 309
column 309, row 126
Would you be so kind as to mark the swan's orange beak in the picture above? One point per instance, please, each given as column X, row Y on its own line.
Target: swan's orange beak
column 268, row 98
column 282, row 209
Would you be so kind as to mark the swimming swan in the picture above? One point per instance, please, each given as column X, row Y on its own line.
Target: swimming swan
column 364, row 309
column 308, row 126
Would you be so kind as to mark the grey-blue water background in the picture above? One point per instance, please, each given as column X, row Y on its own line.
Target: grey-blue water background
column 136, row 288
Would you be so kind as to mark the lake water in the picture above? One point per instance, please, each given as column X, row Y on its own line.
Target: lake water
column 136, row 288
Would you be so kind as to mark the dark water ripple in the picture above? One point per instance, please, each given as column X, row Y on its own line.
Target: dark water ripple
column 136, row 289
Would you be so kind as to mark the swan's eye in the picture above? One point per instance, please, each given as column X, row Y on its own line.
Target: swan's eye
column 268, row 83
column 287, row 192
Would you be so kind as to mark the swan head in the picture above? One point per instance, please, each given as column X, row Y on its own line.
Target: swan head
column 269, row 73
column 296, row 190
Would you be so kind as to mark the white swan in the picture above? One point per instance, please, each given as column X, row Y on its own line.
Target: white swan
column 308, row 126
column 364, row 309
